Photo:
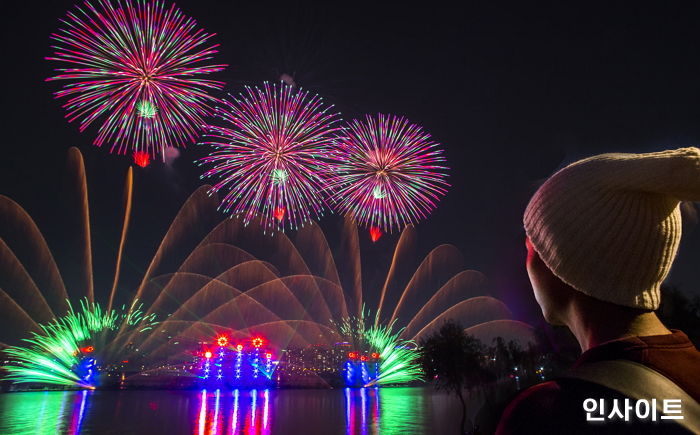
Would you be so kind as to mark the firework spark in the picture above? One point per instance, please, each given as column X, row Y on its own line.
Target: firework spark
column 387, row 172
column 139, row 66
column 62, row 354
column 142, row 158
column 374, row 233
column 271, row 155
column 398, row 358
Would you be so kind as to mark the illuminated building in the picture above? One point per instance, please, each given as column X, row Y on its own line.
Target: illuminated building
column 241, row 364
column 360, row 368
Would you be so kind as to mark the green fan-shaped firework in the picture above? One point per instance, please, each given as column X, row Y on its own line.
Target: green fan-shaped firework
column 67, row 349
column 398, row 362
column 399, row 358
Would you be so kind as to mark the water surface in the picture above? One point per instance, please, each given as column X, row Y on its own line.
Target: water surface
column 345, row 411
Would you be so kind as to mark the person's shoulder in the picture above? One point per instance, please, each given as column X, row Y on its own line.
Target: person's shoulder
column 546, row 392
column 552, row 407
column 532, row 407
column 540, row 396
column 548, row 407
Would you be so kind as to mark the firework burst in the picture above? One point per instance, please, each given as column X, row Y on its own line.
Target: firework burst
column 398, row 358
column 62, row 354
column 139, row 67
column 271, row 155
column 387, row 172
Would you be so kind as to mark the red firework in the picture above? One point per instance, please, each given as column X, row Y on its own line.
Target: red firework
column 142, row 158
column 279, row 213
column 375, row 233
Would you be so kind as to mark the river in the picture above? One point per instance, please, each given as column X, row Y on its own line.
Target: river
column 402, row 411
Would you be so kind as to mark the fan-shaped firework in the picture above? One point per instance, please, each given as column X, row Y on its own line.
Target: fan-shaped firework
column 270, row 155
column 139, row 66
column 63, row 352
column 388, row 172
column 398, row 357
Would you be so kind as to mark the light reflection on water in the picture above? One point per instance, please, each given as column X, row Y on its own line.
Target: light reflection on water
column 220, row 412
column 47, row 412
column 233, row 412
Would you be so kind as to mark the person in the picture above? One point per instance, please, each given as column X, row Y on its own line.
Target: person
column 601, row 236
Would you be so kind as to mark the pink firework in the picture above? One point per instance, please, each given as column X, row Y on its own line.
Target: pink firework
column 387, row 173
column 137, row 67
column 270, row 155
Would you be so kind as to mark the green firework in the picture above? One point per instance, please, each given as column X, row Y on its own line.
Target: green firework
column 279, row 176
column 398, row 361
column 398, row 358
column 378, row 192
column 54, row 355
column 146, row 109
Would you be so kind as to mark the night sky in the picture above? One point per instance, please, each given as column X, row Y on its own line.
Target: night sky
column 512, row 93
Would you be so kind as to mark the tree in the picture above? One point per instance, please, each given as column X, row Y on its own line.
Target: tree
column 451, row 358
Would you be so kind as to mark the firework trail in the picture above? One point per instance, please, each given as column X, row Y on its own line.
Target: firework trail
column 398, row 358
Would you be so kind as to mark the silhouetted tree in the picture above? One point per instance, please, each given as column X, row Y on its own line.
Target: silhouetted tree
column 451, row 358
column 502, row 358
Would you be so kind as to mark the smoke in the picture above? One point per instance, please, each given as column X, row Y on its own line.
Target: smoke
column 288, row 80
column 170, row 155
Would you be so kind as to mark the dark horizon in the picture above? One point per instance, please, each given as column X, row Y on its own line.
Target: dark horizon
column 512, row 94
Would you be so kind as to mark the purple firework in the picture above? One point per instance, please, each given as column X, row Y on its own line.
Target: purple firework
column 387, row 172
column 139, row 67
column 270, row 155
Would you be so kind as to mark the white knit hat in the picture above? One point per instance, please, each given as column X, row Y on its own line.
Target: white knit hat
column 609, row 225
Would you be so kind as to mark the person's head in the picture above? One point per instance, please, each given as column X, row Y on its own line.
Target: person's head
column 604, row 231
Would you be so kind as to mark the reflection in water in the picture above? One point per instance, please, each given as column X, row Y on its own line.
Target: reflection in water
column 54, row 412
column 401, row 411
column 240, row 411
column 385, row 411
column 81, row 400
column 361, row 404
column 234, row 416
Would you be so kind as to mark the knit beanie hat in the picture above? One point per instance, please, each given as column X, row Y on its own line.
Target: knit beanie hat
column 609, row 225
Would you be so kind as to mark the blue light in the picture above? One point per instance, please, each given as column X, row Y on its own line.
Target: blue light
column 87, row 371
column 348, row 374
column 244, row 367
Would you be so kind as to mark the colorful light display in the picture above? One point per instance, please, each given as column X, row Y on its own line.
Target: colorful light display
column 140, row 67
column 270, row 155
column 239, row 365
column 387, row 173
column 379, row 356
column 360, row 370
column 59, row 354
column 142, row 158
column 234, row 412
column 398, row 359
column 374, row 233
column 257, row 341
